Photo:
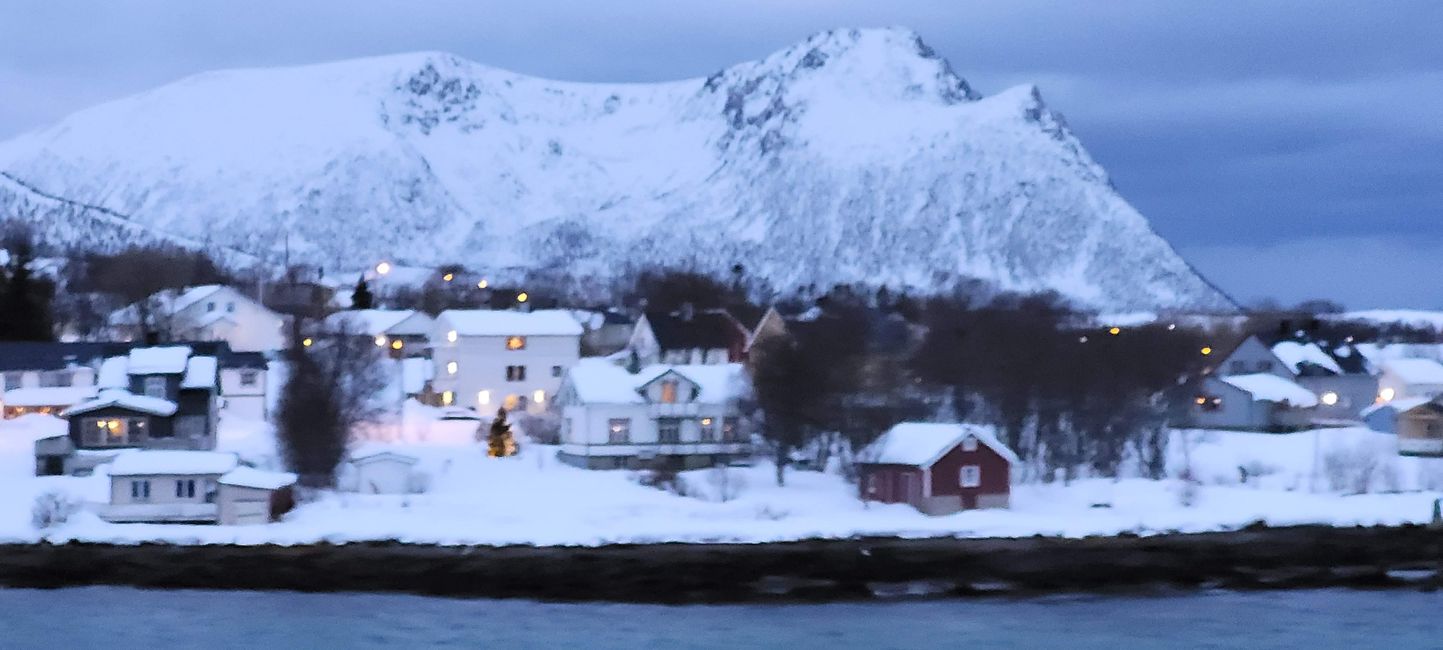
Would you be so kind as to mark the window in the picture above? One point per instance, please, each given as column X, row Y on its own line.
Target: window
column 971, row 476
column 1238, row 367
column 447, row 397
column 730, row 431
column 56, row 378
column 1208, row 402
column 230, row 307
column 515, row 343
column 185, row 488
column 140, row 490
column 668, row 392
column 210, row 491
column 618, row 431
column 452, row 367
column 210, row 306
column 12, row 380
column 112, row 432
column 539, row 397
column 483, row 398
column 1265, row 366
column 668, row 430
column 155, row 387
column 707, row 427
column 451, row 336
column 515, row 373
column 555, row 371
column 249, row 377
column 969, row 443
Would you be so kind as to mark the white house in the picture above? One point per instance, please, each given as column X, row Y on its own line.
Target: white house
column 206, row 313
column 404, row 332
column 511, row 359
column 1410, row 378
column 202, row 487
column 380, row 471
column 683, row 416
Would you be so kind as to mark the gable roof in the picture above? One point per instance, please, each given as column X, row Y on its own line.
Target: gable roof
column 492, row 322
column 375, row 322
column 1298, row 356
column 1399, row 405
column 706, row 330
column 126, row 400
column 1415, row 371
column 1267, row 387
column 921, row 444
column 597, row 381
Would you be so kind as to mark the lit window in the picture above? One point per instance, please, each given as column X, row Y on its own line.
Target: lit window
column 708, row 430
column 522, row 297
column 619, row 431
column 483, row 398
column 1387, row 394
column 515, row 343
column 449, row 277
column 451, row 336
column 969, row 443
column 668, row 392
column 397, row 344
column 307, row 342
column 447, row 397
column 482, row 284
column 380, row 340
column 971, row 476
column 539, row 397
column 452, row 367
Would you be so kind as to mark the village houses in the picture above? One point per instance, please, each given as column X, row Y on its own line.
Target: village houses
column 205, row 313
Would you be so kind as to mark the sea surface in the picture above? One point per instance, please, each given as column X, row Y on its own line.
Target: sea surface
column 115, row 617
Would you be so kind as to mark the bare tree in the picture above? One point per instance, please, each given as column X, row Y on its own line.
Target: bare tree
column 334, row 385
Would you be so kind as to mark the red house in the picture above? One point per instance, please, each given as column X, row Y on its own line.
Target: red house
column 937, row 468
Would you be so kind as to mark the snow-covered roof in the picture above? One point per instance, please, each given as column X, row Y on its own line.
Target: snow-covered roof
column 199, row 373
column 597, row 381
column 250, row 477
column 364, row 456
column 166, row 360
column 489, row 322
column 1415, row 371
column 147, row 462
column 373, row 322
column 1400, row 405
column 112, row 373
column 1266, row 387
column 168, row 301
column 126, row 400
column 1295, row 354
column 192, row 295
column 923, row 443
column 48, row 396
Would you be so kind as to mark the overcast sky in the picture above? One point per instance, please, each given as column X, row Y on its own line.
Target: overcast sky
column 1287, row 149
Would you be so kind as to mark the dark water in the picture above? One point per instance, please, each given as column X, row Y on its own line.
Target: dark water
column 112, row 617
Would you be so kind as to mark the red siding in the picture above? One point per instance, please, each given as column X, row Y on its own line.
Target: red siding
column 884, row 483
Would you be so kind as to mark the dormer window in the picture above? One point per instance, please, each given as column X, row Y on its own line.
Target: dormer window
column 668, row 392
column 515, row 343
column 155, row 387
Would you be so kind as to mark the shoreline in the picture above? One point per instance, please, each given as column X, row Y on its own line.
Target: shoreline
column 861, row 569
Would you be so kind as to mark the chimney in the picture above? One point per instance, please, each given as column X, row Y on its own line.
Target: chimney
column 687, row 311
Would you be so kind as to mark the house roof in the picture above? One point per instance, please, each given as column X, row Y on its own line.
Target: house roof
column 922, row 443
column 1400, row 405
column 375, row 322
column 1415, row 371
column 147, row 462
column 109, row 397
column 1297, row 355
column 707, row 330
column 1266, row 387
column 364, row 456
column 250, row 477
column 168, row 301
column 597, row 381
column 166, row 360
column 16, row 355
column 48, row 396
column 491, row 322
column 200, row 372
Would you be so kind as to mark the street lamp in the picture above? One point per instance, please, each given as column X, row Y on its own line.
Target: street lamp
column 383, row 268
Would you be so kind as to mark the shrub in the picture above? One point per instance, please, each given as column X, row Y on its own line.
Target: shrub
column 52, row 509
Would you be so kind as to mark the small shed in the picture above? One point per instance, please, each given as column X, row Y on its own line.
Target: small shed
column 381, row 471
column 938, row 468
column 1420, row 430
column 1383, row 416
column 250, row 496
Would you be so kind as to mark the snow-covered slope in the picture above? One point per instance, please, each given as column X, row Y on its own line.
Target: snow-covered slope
column 857, row 155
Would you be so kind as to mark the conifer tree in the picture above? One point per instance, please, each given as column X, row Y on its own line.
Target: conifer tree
column 362, row 298
column 500, row 443
column 24, row 300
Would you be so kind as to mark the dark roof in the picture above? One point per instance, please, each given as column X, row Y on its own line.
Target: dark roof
column 58, row 356
column 1350, row 361
column 704, row 329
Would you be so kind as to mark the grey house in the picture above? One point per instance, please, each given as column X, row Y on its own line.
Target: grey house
column 152, row 398
column 1312, row 383
column 1257, row 402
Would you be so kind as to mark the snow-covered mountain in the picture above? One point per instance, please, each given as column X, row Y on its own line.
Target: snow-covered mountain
column 855, row 156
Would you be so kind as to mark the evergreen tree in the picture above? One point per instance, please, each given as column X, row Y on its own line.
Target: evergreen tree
column 24, row 300
column 633, row 362
column 500, row 442
column 362, row 298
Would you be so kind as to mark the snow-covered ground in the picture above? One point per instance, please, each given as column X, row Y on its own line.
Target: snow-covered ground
column 533, row 499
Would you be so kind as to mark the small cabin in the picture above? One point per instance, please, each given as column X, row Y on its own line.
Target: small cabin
column 1420, row 430
column 937, row 468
